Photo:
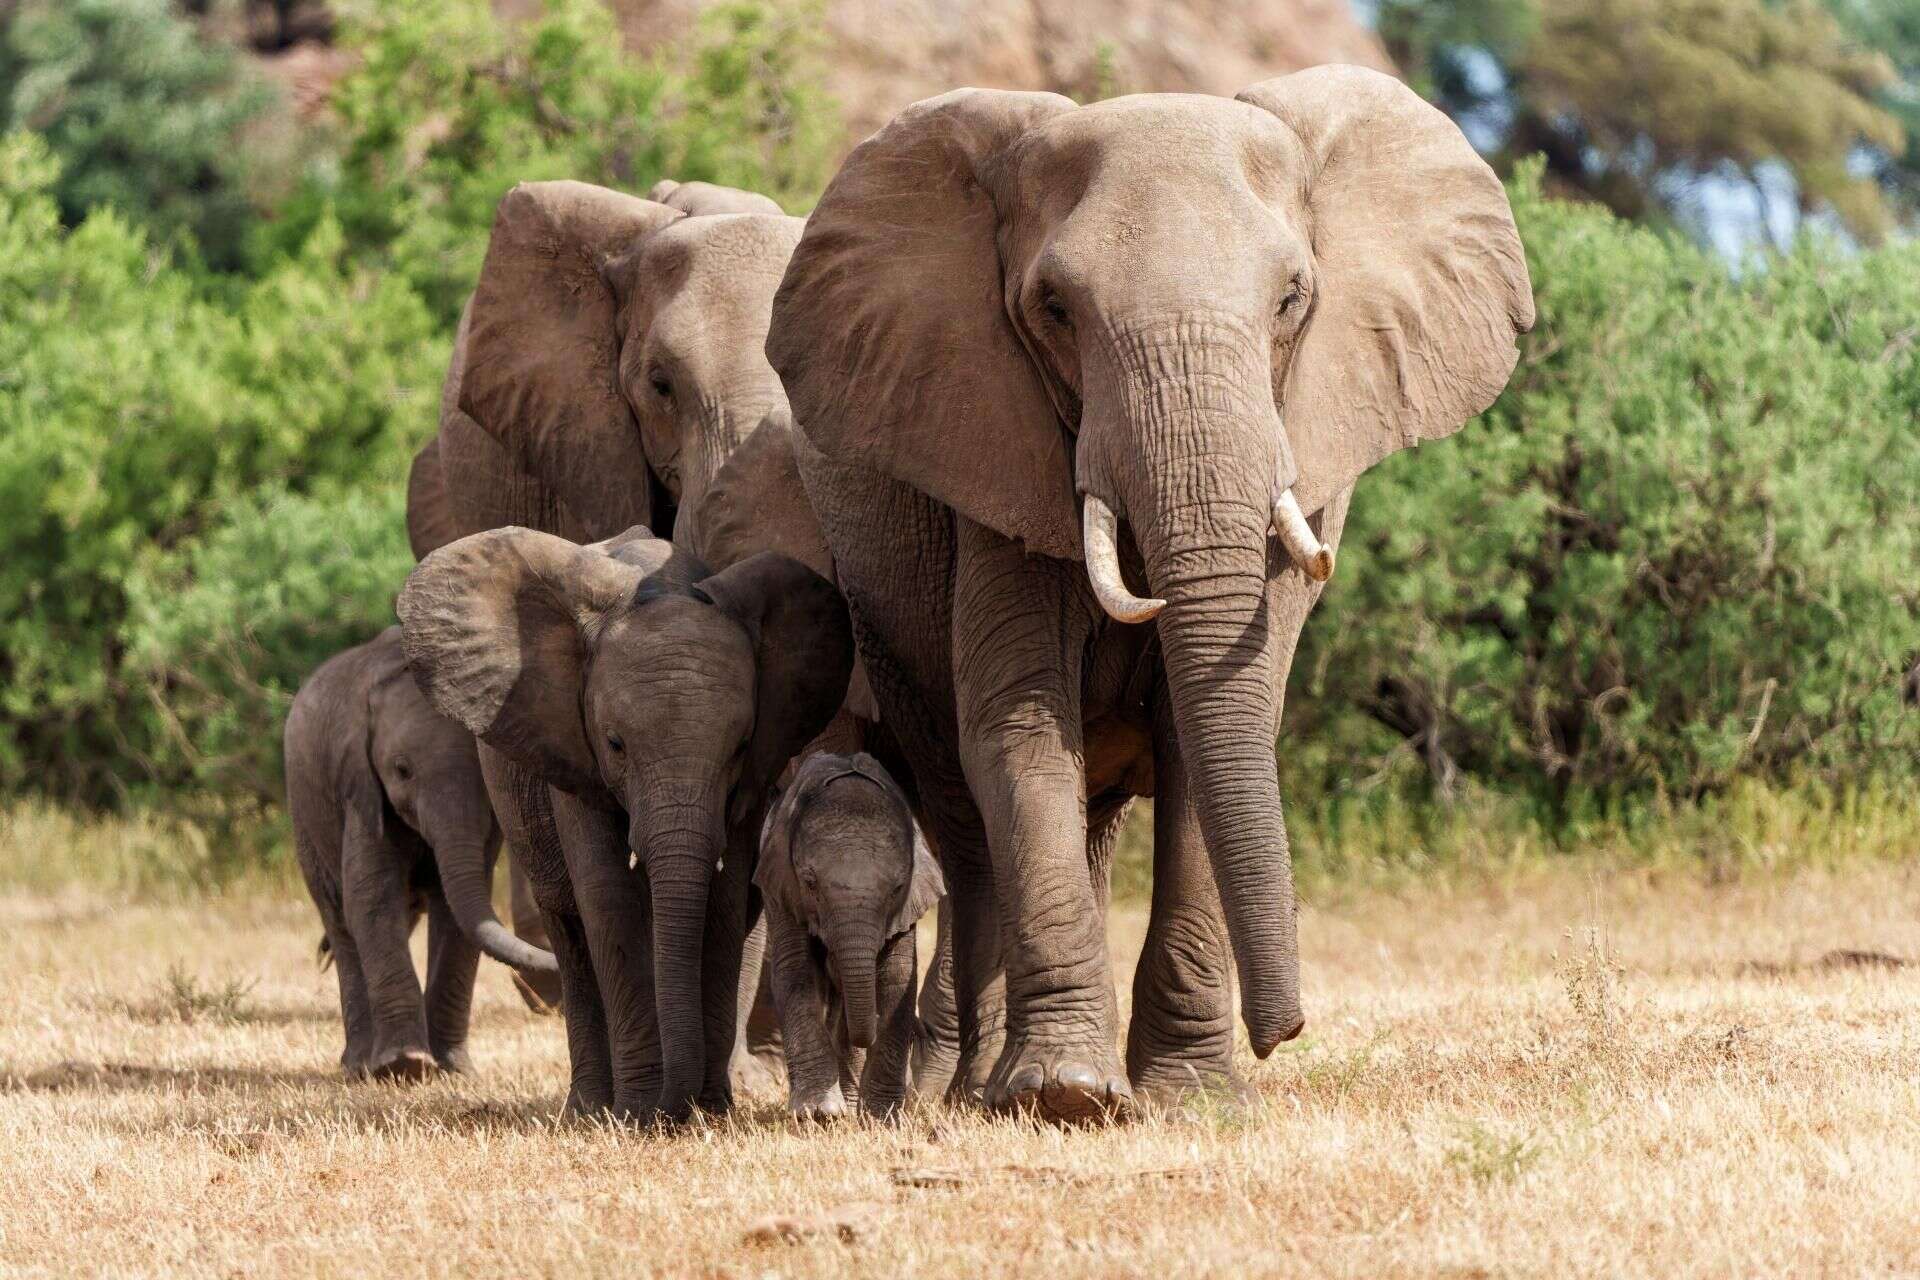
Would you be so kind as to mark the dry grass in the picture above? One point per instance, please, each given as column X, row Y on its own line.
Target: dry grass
column 1555, row 1071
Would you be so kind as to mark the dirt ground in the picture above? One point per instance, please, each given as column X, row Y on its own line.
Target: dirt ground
column 1566, row 1071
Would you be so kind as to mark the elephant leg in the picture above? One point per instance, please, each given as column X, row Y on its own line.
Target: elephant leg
column 540, row 991
column 356, row 1006
column 813, row 1067
column 755, row 1066
column 936, row 1043
column 590, row 1063
column 1180, row 1038
column 885, row 1075
column 895, row 550
column 1020, row 631
column 453, row 962
column 379, row 915
column 617, row 918
column 733, row 917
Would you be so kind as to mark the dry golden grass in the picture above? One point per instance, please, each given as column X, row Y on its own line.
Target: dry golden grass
column 1559, row 1070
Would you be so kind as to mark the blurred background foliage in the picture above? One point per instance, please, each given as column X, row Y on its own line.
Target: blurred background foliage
column 1678, row 560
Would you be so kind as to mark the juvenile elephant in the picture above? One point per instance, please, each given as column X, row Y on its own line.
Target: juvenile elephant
column 1085, row 392
column 658, row 702
column 845, row 876
column 389, row 812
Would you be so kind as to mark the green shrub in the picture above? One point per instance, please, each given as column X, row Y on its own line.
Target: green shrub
column 223, row 629
column 134, row 405
column 1680, row 549
column 143, row 116
column 450, row 107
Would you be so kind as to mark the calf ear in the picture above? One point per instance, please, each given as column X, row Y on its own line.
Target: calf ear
column 774, row 873
column 803, row 653
column 497, row 628
column 925, row 889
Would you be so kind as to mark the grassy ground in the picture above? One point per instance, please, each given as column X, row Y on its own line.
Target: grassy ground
column 1551, row 1067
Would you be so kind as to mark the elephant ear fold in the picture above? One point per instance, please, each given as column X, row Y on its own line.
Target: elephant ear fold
column 541, row 353
column 774, row 873
column 890, row 329
column 803, row 652
column 430, row 522
column 927, row 885
column 1420, row 279
column 496, row 628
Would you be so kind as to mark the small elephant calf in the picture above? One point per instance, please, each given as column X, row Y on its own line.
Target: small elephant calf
column 390, row 818
column 846, row 875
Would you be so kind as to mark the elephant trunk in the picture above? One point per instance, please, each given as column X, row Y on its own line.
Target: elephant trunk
column 680, row 869
column 1189, row 447
column 855, row 945
column 465, row 860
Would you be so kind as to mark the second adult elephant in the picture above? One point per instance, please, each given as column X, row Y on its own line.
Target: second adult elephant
column 659, row 702
column 1087, row 390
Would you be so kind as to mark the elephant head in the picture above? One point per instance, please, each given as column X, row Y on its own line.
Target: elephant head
column 844, row 857
column 614, row 346
column 626, row 674
column 1205, row 317
column 427, row 768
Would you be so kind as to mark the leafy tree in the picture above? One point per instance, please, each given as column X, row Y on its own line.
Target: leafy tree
column 1678, row 550
column 1650, row 88
column 137, row 402
column 143, row 116
column 1635, row 102
column 1892, row 28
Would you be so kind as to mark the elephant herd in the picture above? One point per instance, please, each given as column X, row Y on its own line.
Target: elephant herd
column 782, row 578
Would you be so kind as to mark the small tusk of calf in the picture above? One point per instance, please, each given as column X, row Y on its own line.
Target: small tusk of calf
column 1313, row 556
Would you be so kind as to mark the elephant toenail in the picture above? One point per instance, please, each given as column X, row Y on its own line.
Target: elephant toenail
column 1028, row 1079
column 1078, row 1077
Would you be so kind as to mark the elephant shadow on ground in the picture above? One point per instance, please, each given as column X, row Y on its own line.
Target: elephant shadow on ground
column 109, row 1076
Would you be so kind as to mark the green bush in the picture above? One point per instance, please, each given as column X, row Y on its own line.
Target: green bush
column 1680, row 549
column 143, row 116
column 450, row 107
column 134, row 406
column 223, row 629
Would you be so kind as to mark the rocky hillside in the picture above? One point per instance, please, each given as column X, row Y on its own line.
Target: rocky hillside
column 888, row 53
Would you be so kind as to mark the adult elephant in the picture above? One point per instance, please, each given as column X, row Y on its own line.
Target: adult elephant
column 1085, row 392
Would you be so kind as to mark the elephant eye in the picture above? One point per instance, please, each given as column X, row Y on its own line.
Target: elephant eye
column 403, row 768
column 619, row 747
column 809, row 878
column 1290, row 304
column 1056, row 310
column 661, row 386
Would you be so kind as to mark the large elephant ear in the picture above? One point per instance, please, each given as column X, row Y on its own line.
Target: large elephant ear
column 1421, row 282
column 497, row 628
column 803, row 653
column 890, row 329
column 542, row 349
column 430, row 522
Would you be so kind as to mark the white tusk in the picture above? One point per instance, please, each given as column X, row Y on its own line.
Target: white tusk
column 1097, row 532
column 1313, row 556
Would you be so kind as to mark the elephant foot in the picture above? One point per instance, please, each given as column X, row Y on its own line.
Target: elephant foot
column 936, row 1062
column 454, row 1058
column 405, row 1066
column 540, row 993
column 818, row 1106
column 756, row 1074
column 1060, row 1084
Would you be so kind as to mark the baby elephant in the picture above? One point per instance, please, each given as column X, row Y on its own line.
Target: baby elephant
column 390, row 817
column 845, row 875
